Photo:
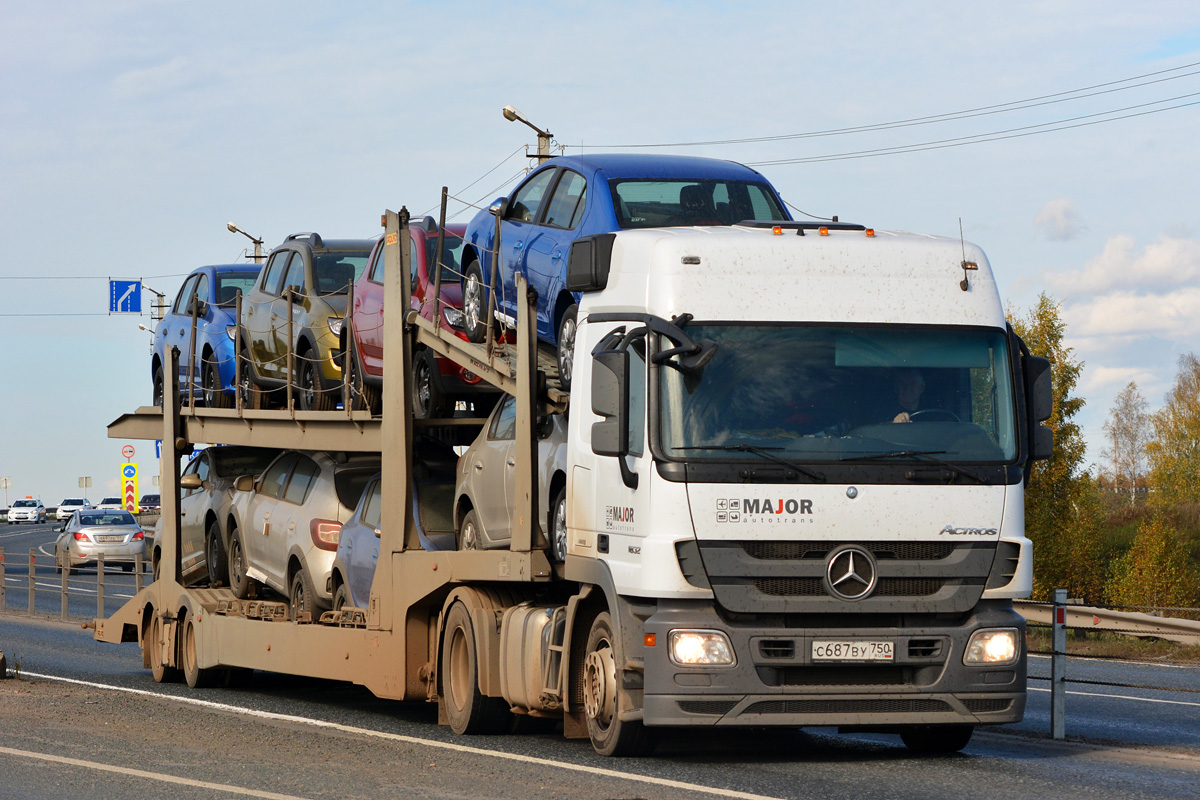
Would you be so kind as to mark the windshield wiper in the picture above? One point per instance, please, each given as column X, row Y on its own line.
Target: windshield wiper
column 924, row 455
column 762, row 452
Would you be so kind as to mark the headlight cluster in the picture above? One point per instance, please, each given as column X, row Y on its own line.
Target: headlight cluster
column 701, row 648
column 454, row 317
column 335, row 326
column 231, row 332
column 995, row 646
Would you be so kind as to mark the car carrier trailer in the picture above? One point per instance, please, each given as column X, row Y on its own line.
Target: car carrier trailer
column 839, row 570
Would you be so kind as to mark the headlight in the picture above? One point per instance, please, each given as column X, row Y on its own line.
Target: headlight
column 996, row 646
column 335, row 326
column 701, row 648
column 231, row 332
column 454, row 317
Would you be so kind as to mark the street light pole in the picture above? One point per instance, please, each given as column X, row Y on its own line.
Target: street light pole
column 258, row 253
column 543, row 153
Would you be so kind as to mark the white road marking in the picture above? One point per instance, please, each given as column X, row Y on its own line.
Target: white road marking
column 1124, row 661
column 416, row 740
column 74, row 589
column 153, row 776
column 1123, row 697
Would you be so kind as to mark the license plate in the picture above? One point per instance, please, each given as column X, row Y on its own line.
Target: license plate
column 110, row 539
column 852, row 650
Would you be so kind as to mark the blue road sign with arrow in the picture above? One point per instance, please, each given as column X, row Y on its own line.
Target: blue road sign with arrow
column 124, row 297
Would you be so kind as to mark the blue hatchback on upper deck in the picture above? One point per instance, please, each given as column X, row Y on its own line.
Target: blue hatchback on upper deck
column 211, row 292
column 573, row 196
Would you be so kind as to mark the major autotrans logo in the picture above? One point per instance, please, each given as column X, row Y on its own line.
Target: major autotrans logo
column 771, row 510
column 618, row 518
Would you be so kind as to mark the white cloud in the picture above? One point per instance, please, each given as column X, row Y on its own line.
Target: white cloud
column 1059, row 221
column 1170, row 262
column 1108, row 379
column 1172, row 315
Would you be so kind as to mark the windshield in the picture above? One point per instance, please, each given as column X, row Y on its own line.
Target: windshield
column 229, row 283
column 452, row 250
column 106, row 518
column 666, row 202
column 333, row 271
column 842, row 394
column 25, row 504
column 231, row 462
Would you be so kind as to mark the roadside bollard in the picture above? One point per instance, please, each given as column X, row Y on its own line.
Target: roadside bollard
column 1058, row 667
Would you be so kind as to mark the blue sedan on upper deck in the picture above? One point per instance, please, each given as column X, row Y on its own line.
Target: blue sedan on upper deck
column 573, row 196
column 211, row 292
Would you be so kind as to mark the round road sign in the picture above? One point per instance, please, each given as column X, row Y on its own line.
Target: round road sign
column 127, row 451
column 129, row 470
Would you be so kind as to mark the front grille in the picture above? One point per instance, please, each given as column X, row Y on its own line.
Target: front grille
column 924, row 648
column 988, row 706
column 903, row 551
column 915, row 706
column 840, row 676
column 711, row 707
column 777, row 648
column 813, row 587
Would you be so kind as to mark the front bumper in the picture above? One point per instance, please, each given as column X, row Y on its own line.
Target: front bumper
column 776, row 682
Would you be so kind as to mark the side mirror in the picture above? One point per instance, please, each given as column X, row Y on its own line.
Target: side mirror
column 1039, row 401
column 610, row 400
column 297, row 293
column 588, row 263
column 60, row 529
column 378, row 533
column 499, row 206
column 190, row 481
column 201, row 308
column 244, row 483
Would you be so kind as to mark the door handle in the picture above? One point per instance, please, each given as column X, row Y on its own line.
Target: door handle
column 518, row 246
column 557, row 255
column 183, row 513
column 181, row 332
column 511, row 462
column 478, row 466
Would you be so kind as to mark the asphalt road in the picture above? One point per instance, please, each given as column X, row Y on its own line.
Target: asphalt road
column 90, row 721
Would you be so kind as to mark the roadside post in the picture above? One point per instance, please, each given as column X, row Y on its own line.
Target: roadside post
column 1058, row 667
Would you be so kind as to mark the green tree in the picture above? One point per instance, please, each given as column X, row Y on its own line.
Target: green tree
column 1174, row 450
column 1156, row 570
column 1062, row 515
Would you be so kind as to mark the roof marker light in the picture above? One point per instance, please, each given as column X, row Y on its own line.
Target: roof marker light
column 777, row 230
column 823, row 231
column 870, row 233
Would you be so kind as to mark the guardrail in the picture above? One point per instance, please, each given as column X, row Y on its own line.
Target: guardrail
column 1061, row 616
column 65, row 589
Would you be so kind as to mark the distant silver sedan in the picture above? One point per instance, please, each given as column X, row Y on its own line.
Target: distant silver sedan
column 93, row 533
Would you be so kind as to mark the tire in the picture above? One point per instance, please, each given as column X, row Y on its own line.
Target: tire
column 214, row 391
column 196, row 677
column 428, row 400
column 312, row 397
column 159, row 387
column 215, row 556
column 239, row 582
column 474, row 303
column 362, row 394
column 558, row 527
column 566, row 346
column 468, row 532
column 937, row 739
column 161, row 672
column 603, row 692
column 252, row 397
column 467, row 709
column 341, row 597
column 302, row 597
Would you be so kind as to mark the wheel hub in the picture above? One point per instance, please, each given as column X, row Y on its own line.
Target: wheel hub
column 600, row 685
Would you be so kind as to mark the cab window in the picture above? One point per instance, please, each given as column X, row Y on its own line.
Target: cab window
column 183, row 302
column 275, row 476
column 201, row 288
column 273, row 274
column 295, row 273
column 528, row 199
column 303, row 476
column 505, row 424
column 566, row 204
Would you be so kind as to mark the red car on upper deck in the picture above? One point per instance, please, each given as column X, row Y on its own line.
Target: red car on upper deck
column 437, row 382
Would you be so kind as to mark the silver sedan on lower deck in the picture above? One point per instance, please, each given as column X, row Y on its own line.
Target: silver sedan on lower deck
column 94, row 533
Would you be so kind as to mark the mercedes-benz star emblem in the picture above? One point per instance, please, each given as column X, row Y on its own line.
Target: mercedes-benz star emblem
column 850, row 573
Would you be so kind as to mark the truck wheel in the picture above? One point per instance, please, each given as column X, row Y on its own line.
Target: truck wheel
column 937, row 738
column 428, row 401
column 602, row 694
column 566, row 346
column 252, row 397
column 558, row 527
column 468, row 710
column 161, row 672
column 239, row 582
column 196, row 677
column 468, row 533
column 362, row 394
column 474, row 303
column 214, row 556
column 302, row 596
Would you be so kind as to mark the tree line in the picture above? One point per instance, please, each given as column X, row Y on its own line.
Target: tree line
column 1138, row 545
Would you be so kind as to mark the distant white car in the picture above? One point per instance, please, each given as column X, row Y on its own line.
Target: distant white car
column 27, row 510
column 111, row 504
column 70, row 505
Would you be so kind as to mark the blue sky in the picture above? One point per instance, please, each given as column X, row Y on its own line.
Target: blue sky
column 132, row 131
